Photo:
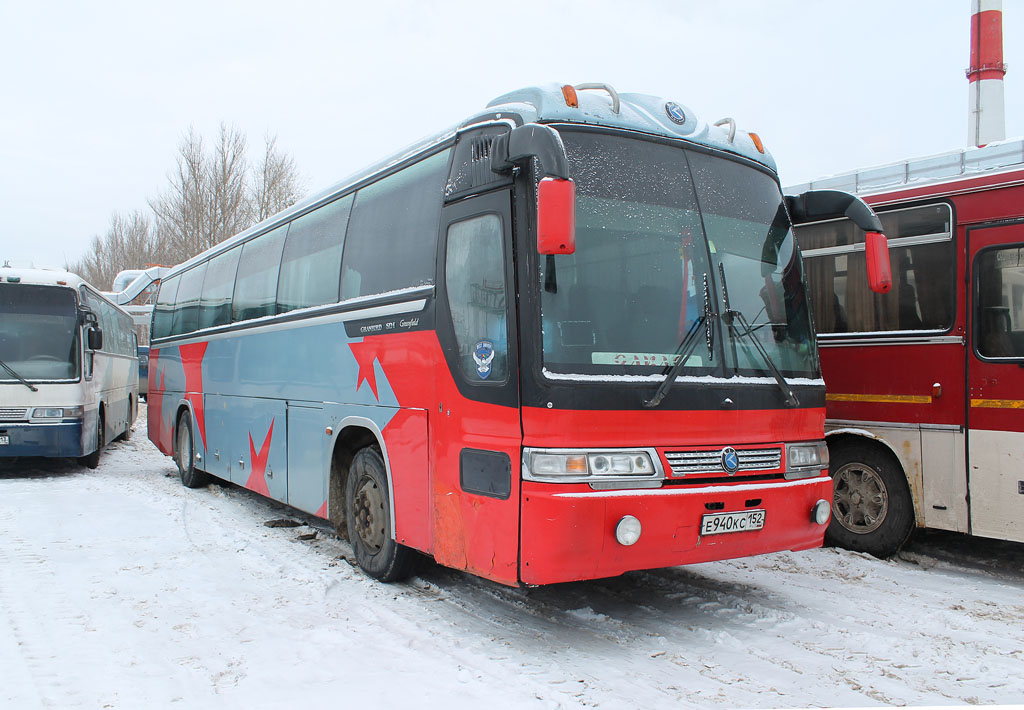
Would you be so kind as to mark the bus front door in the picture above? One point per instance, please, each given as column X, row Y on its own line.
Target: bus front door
column 476, row 431
column 995, row 381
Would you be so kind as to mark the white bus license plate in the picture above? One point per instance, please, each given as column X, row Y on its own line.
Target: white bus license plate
column 5, row 439
column 719, row 523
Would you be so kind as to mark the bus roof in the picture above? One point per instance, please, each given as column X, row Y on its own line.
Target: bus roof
column 49, row 277
column 544, row 104
column 41, row 277
column 942, row 168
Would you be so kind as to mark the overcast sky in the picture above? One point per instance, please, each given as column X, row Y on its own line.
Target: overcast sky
column 96, row 96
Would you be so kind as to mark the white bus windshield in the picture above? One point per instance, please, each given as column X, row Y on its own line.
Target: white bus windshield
column 38, row 332
column 654, row 223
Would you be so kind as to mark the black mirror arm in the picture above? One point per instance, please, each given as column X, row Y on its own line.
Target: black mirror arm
column 816, row 205
column 521, row 145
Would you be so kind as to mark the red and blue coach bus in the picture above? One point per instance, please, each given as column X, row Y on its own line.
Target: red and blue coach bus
column 565, row 339
column 925, row 399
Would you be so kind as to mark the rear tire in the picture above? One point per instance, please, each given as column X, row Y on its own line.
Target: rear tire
column 368, row 515
column 872, row 510
column 92, row 460
column 185, row 455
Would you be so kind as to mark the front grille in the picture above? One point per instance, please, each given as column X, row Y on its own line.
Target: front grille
column 9, row 414
column 688, row 463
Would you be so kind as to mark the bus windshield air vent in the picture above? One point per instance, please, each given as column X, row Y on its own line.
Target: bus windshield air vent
column 471, row 166
column 688, row 463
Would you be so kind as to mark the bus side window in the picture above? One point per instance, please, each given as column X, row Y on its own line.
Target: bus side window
column 475, row 282
column 999, row 302
column 921, row 298
column 163, row 312
column 256, row 284
column 311, row 265
column 396, row 218
column 186, row 305
column 215, row 304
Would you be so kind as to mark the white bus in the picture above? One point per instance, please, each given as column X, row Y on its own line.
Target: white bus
column 69, row 367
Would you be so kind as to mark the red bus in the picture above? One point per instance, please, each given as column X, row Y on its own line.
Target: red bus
column 562, row 340
column 925, row 403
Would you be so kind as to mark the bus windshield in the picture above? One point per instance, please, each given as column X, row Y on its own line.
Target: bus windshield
column 661, row 238
column 38, row 332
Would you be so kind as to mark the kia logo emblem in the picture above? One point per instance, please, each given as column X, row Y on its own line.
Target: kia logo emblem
column 730, row 460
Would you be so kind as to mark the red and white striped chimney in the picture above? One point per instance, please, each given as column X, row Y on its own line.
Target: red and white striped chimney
column 986, row 121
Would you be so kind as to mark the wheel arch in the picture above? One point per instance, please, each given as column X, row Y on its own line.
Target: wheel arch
column 352, row 434
column 183, row 405
column 865, row 437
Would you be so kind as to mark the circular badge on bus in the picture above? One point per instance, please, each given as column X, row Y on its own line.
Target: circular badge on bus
column 730, row 460
column 675, row 112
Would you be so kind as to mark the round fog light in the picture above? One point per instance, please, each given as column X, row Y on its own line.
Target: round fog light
column 627, row 531
column 821, row 511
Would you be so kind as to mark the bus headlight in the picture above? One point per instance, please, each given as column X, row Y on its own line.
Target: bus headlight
column 806, row 460
column 603, row 465
column 57, row 412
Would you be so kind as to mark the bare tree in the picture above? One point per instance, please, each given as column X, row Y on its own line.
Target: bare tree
column 210, row 196
column 275, row 182
column 130, row 243
column 205, row 201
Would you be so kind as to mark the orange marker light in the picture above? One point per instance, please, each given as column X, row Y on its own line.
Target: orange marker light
column 576, row 464
column 757, row 142
column 571, row 100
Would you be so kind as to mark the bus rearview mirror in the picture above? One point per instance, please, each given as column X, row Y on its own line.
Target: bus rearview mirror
column 556, row 216
column 95, row 338
column 876, row 248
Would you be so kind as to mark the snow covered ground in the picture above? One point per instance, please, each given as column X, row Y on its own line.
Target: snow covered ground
column 120, row 588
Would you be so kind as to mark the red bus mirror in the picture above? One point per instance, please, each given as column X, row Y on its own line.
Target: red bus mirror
column 556, row 216
column 879, row 270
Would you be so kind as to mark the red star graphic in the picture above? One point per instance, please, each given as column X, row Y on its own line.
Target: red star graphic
column 258, row 464
column 365, row 353
column 192, row 364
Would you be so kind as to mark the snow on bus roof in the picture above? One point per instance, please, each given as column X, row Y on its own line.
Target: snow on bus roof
column 41, row 277
column 49, row 277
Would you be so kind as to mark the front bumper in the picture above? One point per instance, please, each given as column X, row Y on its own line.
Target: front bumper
column 55, row 439
column 568, row 531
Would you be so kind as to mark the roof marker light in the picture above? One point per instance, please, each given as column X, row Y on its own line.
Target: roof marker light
column 571, row 99
column 757, row 142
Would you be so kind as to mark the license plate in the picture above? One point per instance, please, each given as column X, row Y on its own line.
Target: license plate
column 719, row 523
column 5, row 439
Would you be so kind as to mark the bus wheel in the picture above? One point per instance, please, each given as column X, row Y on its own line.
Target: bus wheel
column 93, row 460
column 871, row 506
column 185, row 455
column 368, row 514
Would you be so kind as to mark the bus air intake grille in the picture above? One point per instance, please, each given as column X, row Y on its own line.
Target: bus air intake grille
column 12, row 415
column 688, row 463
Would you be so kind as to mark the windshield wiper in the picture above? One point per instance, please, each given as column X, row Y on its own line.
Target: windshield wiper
column 18, row 377
column 686, row 347
column 730, row 316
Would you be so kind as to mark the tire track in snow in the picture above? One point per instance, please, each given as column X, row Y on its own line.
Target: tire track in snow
column 37, row 613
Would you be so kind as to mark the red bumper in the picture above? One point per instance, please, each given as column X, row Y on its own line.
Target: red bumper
column 568, row 532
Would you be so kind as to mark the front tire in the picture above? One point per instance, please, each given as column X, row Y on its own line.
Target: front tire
column 872, row 510
column 368, row 515
column 185, row 455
